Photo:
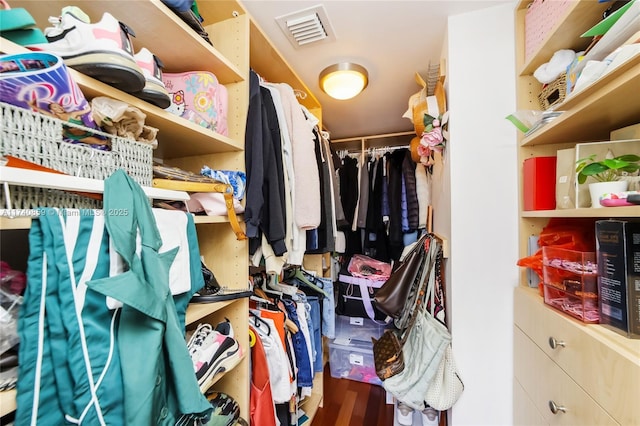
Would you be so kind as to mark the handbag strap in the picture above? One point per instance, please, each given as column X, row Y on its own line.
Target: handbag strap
column 368, row 304
column 426, row 285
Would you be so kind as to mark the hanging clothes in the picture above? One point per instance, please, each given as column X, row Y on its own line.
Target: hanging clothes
column 261, row 406
column 349, row 191
column 277, row 360
column 411, row 195
column 323, row 235
column 376, row 240
column 265, row 206
column 396, row 243
column 84, row 363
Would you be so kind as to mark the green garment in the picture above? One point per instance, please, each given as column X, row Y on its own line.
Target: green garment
column 158, row 377
column 69, row 369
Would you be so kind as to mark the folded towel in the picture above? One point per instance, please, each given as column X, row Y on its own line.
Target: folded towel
column 558, row 64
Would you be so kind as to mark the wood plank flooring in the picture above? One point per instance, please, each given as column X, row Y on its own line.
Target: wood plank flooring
column 351, row 403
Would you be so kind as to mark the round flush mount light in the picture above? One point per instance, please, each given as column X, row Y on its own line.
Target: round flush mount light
column 344, row 80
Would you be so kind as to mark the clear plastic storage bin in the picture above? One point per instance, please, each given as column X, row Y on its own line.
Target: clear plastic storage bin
column 353, row 359
column 571, row 282
column 358, row 328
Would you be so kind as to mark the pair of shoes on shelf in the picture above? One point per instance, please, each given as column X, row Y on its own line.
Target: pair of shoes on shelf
column 213, row 351
column 404, row 415
column 104, row 51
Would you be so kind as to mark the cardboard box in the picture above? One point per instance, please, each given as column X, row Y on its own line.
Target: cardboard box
column 618, row 257
column 583, row 150
column 566, row 179
column 532, row 277
column 539, row 183
column 625, row 133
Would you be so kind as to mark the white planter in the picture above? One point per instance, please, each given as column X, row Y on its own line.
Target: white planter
column 598, row 189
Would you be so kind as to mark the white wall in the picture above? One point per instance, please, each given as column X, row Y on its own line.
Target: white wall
column 482, row 174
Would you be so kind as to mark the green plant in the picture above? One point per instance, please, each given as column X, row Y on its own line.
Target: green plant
column 608, row 170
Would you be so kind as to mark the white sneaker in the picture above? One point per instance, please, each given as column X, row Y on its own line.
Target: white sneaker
column 430, row 417
column 102, row 50
column 404, row 414
column 154, row 90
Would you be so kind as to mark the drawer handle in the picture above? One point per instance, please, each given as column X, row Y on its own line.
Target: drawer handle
column 555, row 343
column 555, row 408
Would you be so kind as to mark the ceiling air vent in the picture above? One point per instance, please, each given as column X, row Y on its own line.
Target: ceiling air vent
column 307, row 26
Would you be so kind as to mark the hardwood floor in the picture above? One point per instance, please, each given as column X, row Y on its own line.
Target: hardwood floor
column 350, row 403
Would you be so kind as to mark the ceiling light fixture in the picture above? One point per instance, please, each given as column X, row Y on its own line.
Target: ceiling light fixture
column 344, row 80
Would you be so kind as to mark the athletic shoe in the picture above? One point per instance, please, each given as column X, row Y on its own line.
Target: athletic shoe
column 209, row 295
column 213, row 352
column 226, row 411
column 404, row 414
column 201, row 338
column 225, row 328
column 102, row 50
column 154, row 90
column 430, row 417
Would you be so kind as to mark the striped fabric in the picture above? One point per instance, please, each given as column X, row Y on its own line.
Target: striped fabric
column 69, row 364
column 84, row 363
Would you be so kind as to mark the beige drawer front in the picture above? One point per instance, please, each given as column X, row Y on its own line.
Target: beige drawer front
column 604, row 364
column 544, row 381
column 525, row 412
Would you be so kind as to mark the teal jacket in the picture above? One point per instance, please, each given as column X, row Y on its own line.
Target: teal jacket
column 158, row 377
column 83, row 363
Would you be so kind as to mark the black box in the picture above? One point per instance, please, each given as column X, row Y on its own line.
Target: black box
column 618, row 256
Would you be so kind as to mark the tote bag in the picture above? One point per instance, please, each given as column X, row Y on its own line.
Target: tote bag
column 423, row 350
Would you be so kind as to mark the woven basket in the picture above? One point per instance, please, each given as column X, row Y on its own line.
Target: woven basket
column 553, row 93
column 38, row 138
column 31, row 198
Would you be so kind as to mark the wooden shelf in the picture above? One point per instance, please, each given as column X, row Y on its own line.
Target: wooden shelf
column 596, row 362
column 198, row 219
column 628, row 211
column 156, row 27
column 590, row 114
column 16, row 176
column 177, row 136
column 7, row 402
column 197, row 311
column 579, row 17
column 18, row 222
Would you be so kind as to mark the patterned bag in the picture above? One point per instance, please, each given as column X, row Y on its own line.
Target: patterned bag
column 387, row 355
column 198, row 97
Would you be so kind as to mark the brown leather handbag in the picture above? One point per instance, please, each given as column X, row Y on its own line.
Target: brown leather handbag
column 387, row 355
column 394, row 294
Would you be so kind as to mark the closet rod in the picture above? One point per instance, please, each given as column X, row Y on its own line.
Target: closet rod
column 380, row 136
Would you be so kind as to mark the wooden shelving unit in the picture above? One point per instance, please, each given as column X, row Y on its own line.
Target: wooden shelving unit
column 594, row 374
column 238, row 44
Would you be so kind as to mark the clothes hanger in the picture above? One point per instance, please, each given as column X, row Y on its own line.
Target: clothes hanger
column 301, row 276
column 259, row 323
column 283, row 289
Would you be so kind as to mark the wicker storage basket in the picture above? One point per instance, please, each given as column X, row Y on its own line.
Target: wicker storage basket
column 553, row 93
column 38, row 138
column 30, row 198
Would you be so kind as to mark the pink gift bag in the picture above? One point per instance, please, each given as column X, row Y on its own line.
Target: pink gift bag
column 198, row 97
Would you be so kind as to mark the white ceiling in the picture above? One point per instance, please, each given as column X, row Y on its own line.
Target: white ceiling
column 392, row 39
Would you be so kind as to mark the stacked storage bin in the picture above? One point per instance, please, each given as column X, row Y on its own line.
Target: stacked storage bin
column 351, row 352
